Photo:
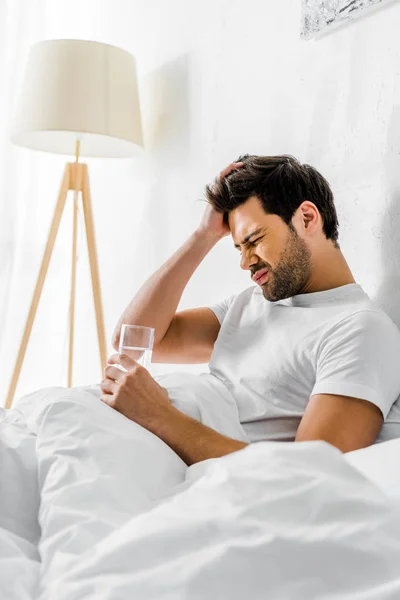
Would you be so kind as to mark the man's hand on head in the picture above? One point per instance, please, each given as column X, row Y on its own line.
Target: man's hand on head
column 232, row 167
column 212, row 222
column 135, row 393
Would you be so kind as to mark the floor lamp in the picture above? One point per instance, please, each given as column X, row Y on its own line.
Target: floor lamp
column 81, row 98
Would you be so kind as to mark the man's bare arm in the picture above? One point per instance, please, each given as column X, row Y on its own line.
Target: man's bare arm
column 190, row 338
column 192, row 440
column 345, row 422
column 156, row 302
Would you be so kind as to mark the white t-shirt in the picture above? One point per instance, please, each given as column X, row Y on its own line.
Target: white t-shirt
column 273, row 356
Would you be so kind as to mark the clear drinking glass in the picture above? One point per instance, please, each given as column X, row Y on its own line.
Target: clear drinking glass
column 137, row 342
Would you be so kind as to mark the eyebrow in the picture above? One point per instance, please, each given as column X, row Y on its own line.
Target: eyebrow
column 247, row 238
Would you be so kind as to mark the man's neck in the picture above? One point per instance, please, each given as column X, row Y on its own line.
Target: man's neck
column 330, row 270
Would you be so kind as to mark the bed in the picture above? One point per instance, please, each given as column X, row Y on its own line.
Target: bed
column 94, row 506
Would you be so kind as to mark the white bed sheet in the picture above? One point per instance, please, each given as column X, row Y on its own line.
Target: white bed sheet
column 19, row 505
column 287, row 521
column 96, row 469
column 122, row 516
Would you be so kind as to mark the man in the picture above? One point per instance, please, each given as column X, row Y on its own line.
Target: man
column 304, row 352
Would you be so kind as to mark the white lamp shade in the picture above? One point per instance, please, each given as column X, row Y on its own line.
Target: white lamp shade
column 75, row 88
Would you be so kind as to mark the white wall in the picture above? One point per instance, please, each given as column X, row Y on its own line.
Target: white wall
column 219, row 78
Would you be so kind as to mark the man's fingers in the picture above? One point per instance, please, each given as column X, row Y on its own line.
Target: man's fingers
column 114, row 373
column 127, row 362
column 108, row 386
column 230, row 168
column 123, row 360
column 114, row 359
column 107, row 399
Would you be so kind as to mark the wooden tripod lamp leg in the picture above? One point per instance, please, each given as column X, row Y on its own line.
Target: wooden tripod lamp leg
column 73, row 288
column 39, row 285
column 94, row 269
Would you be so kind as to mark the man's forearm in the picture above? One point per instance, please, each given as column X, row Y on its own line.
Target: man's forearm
column 193, row 441
column 156, row 302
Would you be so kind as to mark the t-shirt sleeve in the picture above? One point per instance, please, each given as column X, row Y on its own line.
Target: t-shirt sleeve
column 360, row 357
column 222, row 307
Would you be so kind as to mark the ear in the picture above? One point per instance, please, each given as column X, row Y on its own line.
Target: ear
column 308, row 217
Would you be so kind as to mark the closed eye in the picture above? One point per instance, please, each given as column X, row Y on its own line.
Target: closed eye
column 252, row 243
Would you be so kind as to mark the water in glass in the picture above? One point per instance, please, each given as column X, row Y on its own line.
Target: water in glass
column 140, row 355
column 137, row 342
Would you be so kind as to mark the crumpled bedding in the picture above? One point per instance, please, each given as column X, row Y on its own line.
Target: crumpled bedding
column 94, row 506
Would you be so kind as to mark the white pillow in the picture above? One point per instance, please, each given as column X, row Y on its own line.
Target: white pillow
column 381, row 464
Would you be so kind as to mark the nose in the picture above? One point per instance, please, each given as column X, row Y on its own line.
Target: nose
column 247, row 260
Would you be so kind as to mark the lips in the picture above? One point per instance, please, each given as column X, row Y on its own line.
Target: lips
column 259, row 274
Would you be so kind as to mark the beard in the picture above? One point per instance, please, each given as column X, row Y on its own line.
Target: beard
column 292, row 272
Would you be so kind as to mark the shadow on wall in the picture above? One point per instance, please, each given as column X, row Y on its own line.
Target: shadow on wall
column 166, row 126
column 388, row 295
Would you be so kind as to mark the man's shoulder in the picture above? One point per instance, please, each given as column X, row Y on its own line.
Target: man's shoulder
column 367, row 315
column 364, row 324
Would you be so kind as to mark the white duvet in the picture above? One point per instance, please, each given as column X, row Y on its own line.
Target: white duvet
column 92, row 506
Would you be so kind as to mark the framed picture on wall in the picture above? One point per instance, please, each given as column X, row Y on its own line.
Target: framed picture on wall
column 320, row 16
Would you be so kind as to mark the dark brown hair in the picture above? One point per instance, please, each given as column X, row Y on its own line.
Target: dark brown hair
column 281, row 183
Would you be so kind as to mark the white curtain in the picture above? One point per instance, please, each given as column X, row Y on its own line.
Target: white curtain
column 20, row 26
